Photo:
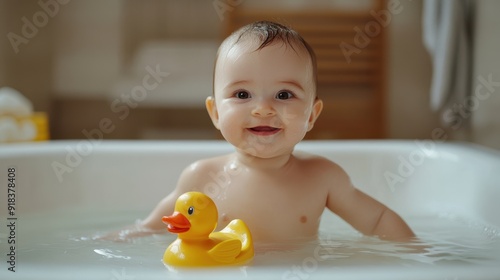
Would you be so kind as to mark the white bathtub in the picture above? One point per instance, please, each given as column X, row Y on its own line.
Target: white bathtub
column 91, row 182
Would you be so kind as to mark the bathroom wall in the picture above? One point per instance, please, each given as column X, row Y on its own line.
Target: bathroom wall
column 3, row 43
column 88, row 48
column 96, row 39
column 27, row 62
column 96, row 43
column 485, row 100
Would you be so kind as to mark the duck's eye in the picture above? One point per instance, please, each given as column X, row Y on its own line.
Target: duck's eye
column 191, row 210
column 284, row 95
column 242, row 95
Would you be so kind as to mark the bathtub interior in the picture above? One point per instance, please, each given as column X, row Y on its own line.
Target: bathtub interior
column 72, row 190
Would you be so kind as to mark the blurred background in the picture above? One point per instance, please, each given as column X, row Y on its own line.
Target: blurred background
column 125, row 69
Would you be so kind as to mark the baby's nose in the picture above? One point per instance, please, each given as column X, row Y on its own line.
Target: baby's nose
column 263, row 109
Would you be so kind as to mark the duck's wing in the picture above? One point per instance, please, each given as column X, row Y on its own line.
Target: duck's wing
column 226, row 251
column 238, row 229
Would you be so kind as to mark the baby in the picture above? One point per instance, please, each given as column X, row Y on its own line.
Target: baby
column 264, row 102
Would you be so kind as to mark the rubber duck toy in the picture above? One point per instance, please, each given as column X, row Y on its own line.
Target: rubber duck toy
column 194, row 220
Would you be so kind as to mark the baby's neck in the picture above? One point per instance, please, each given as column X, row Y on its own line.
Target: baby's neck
column 254, row 162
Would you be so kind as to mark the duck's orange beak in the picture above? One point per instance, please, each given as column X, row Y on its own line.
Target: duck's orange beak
column 177, row 223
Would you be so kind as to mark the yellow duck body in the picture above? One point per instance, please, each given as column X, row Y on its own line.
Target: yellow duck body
column 194, row 220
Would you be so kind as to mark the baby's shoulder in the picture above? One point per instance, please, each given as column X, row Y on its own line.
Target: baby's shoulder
column 318, row 165
column 195, row 175
column 313, row 160
column 205, row 166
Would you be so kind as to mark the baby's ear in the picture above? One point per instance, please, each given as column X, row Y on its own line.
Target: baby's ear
column 316, row 110
column 212, row 110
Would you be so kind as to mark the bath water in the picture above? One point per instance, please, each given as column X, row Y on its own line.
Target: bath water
column 68, row 238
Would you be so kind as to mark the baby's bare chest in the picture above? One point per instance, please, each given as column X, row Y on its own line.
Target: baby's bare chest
column 270, row 206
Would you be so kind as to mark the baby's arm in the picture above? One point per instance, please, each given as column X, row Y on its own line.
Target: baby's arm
column 153, row 222
column 363, row 212
column 188, row 181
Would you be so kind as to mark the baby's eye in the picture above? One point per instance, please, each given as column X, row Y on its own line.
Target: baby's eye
column 191, row 210
column 284, row 95
column 242, row 95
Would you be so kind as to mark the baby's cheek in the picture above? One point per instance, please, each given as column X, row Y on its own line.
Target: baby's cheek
column 227, row 125
column 229, row 130
column 225, row 118
column 298, row 122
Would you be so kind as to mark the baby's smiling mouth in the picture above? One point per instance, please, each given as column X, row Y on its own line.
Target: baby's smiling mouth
column 264, row 130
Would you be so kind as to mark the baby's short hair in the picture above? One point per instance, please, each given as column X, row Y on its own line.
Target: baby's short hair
column 268, row 32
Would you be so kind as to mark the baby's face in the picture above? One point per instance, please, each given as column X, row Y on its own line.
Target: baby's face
column 265, row 100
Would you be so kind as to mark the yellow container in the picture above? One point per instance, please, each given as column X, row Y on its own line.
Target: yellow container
column 34, row 127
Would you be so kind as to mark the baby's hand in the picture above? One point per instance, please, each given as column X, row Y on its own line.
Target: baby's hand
column 128, row 233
